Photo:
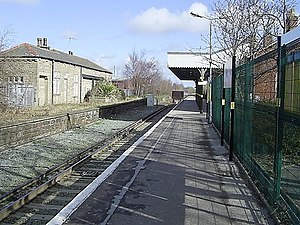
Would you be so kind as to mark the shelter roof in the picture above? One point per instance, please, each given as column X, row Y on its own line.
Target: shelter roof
column 190, row 65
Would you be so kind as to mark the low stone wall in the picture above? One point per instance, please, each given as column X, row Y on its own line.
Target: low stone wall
column 27, row 131
column 109, row 110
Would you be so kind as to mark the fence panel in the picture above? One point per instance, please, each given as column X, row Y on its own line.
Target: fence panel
column 266, row 133
column 217, row 87
column 255, row 120
column 290, row 117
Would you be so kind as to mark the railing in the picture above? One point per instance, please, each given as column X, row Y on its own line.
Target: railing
column 266, row 137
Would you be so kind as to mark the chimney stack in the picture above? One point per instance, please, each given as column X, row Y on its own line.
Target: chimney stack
column 42, row 42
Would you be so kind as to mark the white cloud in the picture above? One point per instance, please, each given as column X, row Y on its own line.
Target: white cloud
column 21, row 1
column 161, row 20
column 107, row 61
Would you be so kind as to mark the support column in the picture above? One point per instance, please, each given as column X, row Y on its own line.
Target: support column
column 199, row 96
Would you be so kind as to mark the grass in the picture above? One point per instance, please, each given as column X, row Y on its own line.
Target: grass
column 15, row 115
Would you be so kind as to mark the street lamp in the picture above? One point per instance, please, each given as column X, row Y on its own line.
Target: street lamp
column 210, row 62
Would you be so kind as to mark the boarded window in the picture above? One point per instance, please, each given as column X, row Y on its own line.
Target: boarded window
column 56, row 84
column 17, row 95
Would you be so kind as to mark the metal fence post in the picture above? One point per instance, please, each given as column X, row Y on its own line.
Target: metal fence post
column 279, row 122
column 223, row 101
column 232, row 106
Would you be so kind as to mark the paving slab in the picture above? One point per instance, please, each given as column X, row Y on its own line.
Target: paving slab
column 178, row 174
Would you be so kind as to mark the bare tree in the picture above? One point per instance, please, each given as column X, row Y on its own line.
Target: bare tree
column 5, row 38
column 144, row 74
column 243, row 27
column 153, row 76
column 165, row 87
column 4, row 44
column 133, row 72
column 14, row 91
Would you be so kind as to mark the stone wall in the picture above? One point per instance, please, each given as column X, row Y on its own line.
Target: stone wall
column 52, row 82
column 18, row 82
column 25, row 132
column 66, row 77
column 109, row 110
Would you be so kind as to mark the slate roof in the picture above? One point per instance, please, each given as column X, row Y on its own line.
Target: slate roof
column 26, row 50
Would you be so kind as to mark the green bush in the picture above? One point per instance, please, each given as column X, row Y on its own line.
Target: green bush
column 106, row 89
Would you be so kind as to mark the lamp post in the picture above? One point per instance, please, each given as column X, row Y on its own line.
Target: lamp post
column 210, row 19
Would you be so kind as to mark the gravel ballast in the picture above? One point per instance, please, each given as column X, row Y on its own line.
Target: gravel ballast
column 19, row 164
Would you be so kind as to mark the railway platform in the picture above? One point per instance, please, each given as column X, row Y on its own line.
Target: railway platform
column 176, row 174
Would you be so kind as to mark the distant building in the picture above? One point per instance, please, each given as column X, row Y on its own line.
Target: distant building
column 292, row 20
column 125, row 85
column 37, row 75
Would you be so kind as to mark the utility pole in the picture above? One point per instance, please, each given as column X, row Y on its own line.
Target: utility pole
column 210, row 19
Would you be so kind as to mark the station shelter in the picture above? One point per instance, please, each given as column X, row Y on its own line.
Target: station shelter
column 192, row 66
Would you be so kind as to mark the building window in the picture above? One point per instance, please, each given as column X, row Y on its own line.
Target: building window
column 11, row 79
column 21, row 79
column 16, row 79
column 56, row 84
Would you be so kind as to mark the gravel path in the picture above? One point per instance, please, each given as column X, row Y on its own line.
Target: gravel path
column 23, row 162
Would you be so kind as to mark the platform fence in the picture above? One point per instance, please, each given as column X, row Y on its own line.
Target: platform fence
column 266, row 131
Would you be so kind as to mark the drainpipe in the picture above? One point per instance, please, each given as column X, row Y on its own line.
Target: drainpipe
column 80, row 85
column 52, row 83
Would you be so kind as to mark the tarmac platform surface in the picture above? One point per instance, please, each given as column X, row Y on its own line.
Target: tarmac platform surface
column 176, row 174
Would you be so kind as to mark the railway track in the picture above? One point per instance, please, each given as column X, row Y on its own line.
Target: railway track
column 41, row 198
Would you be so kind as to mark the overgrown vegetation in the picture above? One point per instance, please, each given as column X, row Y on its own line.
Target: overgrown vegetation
column 264, row 134
column 14, row 115
column 291, row 144
column 107, row 90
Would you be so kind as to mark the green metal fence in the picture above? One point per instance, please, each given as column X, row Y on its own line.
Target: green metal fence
column 266, row 134
column 218, row 93
column 216, row 99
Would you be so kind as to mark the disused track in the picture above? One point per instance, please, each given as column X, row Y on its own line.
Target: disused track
column 42, row 198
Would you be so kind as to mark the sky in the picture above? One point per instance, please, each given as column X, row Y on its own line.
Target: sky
column 106, row 32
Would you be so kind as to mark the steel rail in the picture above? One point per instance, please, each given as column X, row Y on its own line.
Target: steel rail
column 55, row 174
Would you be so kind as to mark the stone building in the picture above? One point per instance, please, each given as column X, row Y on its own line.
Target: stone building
column 37, row 75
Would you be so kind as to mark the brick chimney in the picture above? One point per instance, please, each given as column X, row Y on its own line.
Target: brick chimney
column 42, row 42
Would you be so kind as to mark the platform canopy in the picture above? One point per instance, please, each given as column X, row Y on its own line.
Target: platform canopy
column 192, row 66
